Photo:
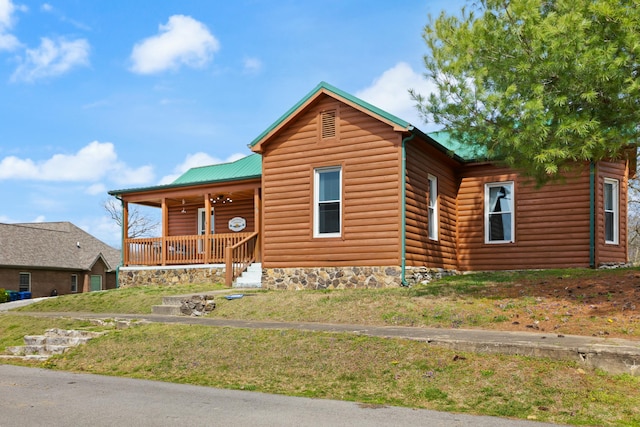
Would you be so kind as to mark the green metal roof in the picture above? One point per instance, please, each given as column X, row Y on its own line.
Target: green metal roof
column 340, row 93
column 244, row 168
column 463, row 151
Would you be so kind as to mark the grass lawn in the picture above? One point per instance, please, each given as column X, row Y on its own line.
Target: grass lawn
column 374, row 370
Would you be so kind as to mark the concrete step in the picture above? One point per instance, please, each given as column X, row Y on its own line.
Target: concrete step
column 169, row 310
column 256, row 266
column 172, row 300
column 251, row 277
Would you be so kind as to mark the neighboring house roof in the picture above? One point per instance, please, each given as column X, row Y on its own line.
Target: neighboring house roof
column 54, row 245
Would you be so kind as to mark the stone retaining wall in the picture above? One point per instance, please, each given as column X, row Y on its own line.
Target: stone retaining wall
column 346, row 277
column 144, row 276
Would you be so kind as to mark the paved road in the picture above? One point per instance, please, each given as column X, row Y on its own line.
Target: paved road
column 40, row 397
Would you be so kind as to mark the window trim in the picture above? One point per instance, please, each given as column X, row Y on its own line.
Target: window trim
column 487, row 212
column 316, row 201
column 432, row 208
column 20, row 281
column 615, row 201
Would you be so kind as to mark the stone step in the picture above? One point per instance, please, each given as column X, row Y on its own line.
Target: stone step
column 73, row 333
column 43, row 350
column 54, row 340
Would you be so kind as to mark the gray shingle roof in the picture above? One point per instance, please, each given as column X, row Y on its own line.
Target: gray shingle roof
column 56, row 245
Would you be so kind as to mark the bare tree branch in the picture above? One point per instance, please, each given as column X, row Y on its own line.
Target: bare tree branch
column 139, row 225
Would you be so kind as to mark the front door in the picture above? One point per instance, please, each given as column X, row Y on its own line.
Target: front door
column 202, row 225
column 96, row 283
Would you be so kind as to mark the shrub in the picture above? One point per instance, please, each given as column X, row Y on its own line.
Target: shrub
column 4, row 296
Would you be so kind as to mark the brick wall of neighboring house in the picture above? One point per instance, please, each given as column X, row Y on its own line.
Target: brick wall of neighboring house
column 43, row 282
column 108, row 279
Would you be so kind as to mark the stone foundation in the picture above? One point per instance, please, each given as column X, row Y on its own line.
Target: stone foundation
column 162, row 276
column 346, row 277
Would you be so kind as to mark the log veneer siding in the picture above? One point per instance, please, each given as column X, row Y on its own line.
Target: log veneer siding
column 421, row 161
column 607, row 253
column 184, row 224
column 542, row 218
column 368, row 152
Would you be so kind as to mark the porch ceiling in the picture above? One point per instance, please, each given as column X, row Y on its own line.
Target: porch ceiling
column 192, row 195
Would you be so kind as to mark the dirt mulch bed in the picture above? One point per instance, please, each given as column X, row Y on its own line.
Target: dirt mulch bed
column 606, row 303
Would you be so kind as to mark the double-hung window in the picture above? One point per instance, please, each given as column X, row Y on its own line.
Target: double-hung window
column 432, row 220
column 74, row 283
column 611, row 211
column 499, row 208
column 327, row 216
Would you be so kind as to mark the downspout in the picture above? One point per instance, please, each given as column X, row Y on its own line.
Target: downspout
column 403, row 203
column 592, row 215
column 121, row 244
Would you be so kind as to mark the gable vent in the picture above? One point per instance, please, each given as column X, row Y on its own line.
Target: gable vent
column 328, row 120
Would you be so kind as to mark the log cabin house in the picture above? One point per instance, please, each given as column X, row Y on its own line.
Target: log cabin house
column 339, row 193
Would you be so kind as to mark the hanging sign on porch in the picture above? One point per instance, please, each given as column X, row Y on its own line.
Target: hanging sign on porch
column 237, row 224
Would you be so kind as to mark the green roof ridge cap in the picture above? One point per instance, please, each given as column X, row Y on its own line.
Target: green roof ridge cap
column 324, row 85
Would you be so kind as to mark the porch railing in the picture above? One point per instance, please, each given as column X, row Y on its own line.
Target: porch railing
column 174, row 250
column 239, row 256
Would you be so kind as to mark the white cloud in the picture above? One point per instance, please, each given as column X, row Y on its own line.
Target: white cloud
column 252, row 65
column 196, row 160
column 52, row 58
column 182, row 41
column 390, row 92
column 6, row 11
column 92, row 163
column 8, row 41
column 96, row 189
column 46, row 7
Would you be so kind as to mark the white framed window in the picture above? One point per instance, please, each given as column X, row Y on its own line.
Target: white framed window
column 327, row 195
column 25, row 282
column 499, row 212
column 432, row 208
column 611, row 211
column 74, row 283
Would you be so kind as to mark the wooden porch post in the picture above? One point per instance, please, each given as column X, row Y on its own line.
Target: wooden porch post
column 165, row 230
column 125, row 232
column 207, row 228
column 258, row 224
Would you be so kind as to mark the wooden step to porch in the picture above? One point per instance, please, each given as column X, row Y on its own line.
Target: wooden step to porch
column 251, row 278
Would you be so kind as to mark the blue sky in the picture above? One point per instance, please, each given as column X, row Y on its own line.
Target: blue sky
column 101, row 95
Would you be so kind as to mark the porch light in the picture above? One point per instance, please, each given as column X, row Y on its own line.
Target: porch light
column 220, row 198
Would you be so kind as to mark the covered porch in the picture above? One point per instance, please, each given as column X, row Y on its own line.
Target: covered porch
column 228, row 235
